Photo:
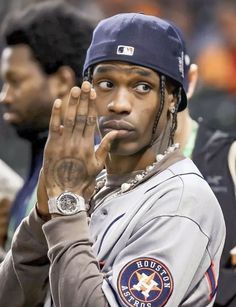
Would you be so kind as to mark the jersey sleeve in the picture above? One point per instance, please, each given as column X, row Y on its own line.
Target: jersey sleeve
column 75, row 276
column 159, row 263
column 24, row 271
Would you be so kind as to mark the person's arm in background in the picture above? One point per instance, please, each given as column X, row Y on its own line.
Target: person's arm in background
column 5, row 205
column 227, row 294
column 10, row 183
column 24, row 271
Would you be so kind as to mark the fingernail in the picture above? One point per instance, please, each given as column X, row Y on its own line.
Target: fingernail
column 57, row 103
column 86, row 86
column 75, row 92
column 92, row 94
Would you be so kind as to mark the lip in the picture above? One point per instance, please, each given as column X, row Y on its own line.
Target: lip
column 117, row 125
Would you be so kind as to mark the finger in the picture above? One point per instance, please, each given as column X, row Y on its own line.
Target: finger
column 89, row 129
column 55, row 120
column 82, row 110
column 42, row 197
column 71, row 108
column 5, row 204
column 104, row 147
column 4, row 210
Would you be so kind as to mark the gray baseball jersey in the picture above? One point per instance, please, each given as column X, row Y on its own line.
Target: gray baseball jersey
column 158, row 244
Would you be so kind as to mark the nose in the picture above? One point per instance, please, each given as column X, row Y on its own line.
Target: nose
column 121, row 102
column 6, row 95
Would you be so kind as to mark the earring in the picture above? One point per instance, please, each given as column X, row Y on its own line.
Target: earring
column 172, row 110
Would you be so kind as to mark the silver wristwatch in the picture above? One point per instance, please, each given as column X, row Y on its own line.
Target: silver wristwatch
column 66, row 203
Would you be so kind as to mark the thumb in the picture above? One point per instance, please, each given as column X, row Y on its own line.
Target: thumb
column 42, row 197
column 104, row 147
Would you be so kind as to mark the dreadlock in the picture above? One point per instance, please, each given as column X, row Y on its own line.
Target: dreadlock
column 174, row 114
column 162, row 102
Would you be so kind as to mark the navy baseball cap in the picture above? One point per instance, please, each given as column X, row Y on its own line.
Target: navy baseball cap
column 187, row 60
column 142, row 40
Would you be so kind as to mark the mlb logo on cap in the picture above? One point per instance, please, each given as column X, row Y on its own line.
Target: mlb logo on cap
column 125, row 50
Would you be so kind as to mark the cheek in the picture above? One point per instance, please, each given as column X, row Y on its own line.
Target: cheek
column 100, row 107
column 32, row 88
column 146, row 118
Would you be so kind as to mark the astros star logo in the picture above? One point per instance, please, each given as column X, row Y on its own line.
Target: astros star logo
column 145, row 282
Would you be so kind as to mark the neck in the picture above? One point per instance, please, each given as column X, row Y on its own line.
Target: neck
column 117, row 164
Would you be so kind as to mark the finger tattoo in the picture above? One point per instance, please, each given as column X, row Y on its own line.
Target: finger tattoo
column 69, row 123
column 81, row 119
column 91, row 120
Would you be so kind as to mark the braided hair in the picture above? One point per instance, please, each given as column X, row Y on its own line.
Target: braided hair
column 160, row 110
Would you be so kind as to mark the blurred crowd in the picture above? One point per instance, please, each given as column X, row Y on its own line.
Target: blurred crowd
column 209, row 28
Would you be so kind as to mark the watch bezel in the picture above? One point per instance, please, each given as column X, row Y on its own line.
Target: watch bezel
column 80, row 203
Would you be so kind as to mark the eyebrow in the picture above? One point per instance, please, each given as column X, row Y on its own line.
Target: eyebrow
column 141, row 72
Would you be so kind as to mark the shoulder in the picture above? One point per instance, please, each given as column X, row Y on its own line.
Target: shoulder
column 181, row 191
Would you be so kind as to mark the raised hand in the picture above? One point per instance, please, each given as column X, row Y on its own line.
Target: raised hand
column 70, row 161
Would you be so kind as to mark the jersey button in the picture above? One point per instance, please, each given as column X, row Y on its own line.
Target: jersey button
column 104, row 212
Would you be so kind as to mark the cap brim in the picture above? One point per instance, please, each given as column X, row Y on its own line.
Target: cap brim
column 184, row 100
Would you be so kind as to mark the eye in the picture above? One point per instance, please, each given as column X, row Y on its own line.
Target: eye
column 143, row 88
column 105, row 85
column 14, row 81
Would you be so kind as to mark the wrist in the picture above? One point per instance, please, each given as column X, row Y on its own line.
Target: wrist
column 45, row 216
column 67, row 203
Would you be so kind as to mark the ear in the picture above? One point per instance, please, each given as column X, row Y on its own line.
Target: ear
column 192, row 80
column 62, row 81
column 172, row 98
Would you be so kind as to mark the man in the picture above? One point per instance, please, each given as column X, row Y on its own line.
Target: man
column 217, row 160
column 156, row 231
column 45, row 47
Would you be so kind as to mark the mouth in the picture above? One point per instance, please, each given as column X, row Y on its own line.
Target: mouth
column 124, row 128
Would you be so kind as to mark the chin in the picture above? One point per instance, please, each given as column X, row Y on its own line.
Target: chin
column 126, row 149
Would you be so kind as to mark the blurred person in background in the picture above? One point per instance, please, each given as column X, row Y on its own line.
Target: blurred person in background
column 215, row 147
column 215, row 156
column 43, row 56
column 213, row 144
column 217, row 162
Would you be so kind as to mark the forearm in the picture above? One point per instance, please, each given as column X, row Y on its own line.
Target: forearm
column 75, row 277
column 24, row 272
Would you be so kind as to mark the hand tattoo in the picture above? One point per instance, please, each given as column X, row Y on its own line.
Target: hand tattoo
column 68, row 173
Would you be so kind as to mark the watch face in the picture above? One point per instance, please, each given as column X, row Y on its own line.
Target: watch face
column 68, row 203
